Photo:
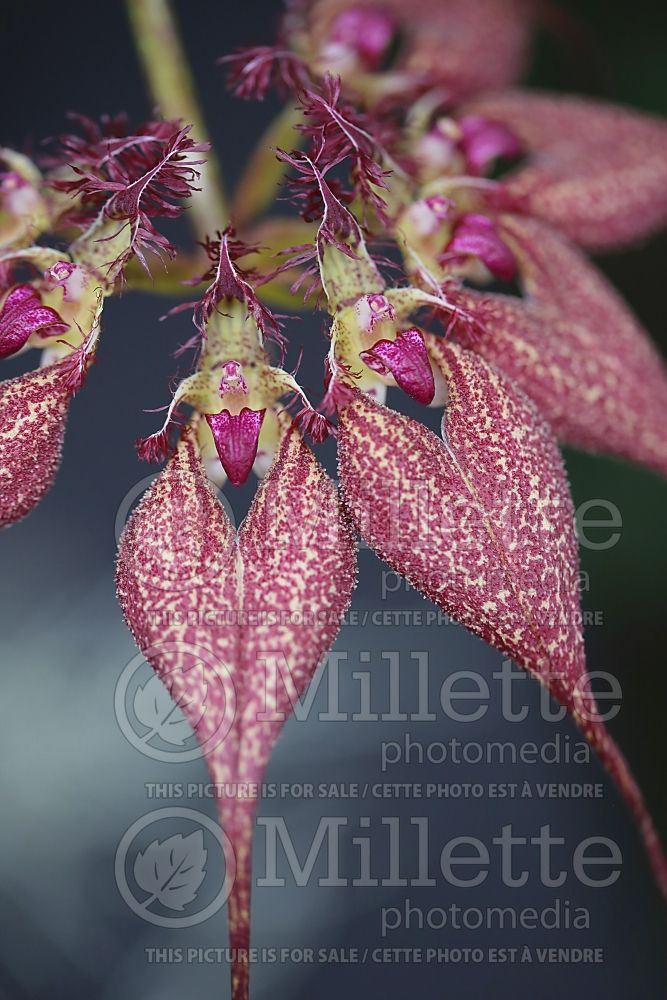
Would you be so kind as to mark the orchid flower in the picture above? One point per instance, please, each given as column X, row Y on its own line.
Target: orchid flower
column 484, row 305
column 381, row 47
column 107, row 185
column 280, row 585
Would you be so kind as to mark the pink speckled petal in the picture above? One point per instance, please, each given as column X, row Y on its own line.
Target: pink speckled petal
column 482, row 524
column 449, row 515
column 407, row 360
column 556, row 274
column 194, row 592
column 575, row 348
column 33, row 411
column 598, row 172
column 236, row 437
column 590, row 389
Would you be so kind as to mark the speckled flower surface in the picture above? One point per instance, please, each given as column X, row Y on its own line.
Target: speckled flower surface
column 442, row 225
column 258, row 608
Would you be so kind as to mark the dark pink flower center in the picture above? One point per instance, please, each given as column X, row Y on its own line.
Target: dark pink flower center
column 484, row 141
column 373, row 309
column 475, row 236
column 10, row 181
column 23, row 314
column 232, row 379
column 427, row 214
column 366, row 31
column 236, row 437
column 406, row 358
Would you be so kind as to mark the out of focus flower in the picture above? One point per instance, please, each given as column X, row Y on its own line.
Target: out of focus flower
column 385, row 49
column 23, row 208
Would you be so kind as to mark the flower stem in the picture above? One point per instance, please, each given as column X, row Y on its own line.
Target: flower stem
column 170, row 283
column 172, row 87
column 259, row 183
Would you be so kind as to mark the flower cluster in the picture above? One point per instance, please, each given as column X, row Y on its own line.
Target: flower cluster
column 444, row 223
column 98, row 196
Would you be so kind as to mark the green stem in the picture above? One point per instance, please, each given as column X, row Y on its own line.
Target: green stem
column 170, row 283
column 170, row 82
column 264, row 171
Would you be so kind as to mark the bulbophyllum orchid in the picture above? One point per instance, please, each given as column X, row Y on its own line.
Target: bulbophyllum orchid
column 442, row 230
column 235, row 388
column 276, row 589
column 104, row 187
column 381, row 47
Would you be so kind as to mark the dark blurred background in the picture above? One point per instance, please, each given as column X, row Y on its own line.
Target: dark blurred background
column 71, row 783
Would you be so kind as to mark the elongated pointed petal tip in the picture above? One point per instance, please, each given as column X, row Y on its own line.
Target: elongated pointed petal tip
column 270, row 597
